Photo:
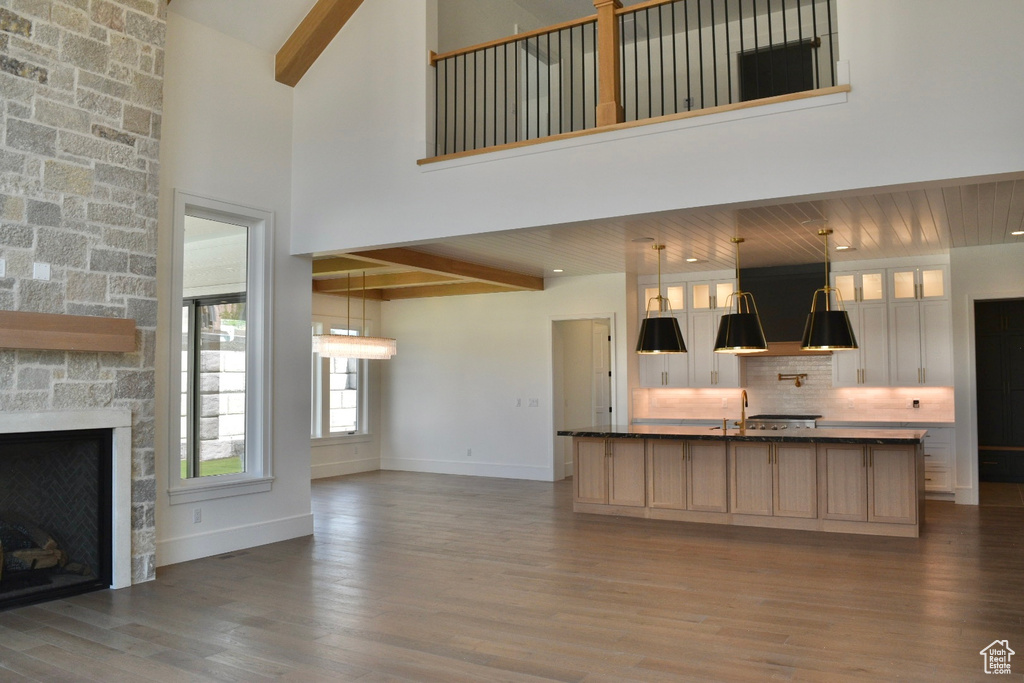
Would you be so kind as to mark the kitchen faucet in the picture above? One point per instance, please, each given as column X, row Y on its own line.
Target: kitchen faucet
column 743, row 411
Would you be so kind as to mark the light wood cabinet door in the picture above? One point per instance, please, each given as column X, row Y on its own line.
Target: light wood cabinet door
column 591, row 471
column 707, row 482
column 796, row 480
column 627, row 473
column 843, row 482
column 892, row 484
column 666, row 474
column 750, row 481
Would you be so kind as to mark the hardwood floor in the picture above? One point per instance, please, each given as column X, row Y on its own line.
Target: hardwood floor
column 1002, row 494
column 441, row 578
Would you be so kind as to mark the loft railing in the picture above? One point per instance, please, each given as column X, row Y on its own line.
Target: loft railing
column 653, row 59
column 524, row 87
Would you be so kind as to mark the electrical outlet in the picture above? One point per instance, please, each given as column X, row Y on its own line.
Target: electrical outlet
column 197, row 515
column 357, row 450
column 519, row 403
column 40, row 271
column 725, row 403
column 849, row 403
column 469, row 452
column 917, row 403
column 534, row 402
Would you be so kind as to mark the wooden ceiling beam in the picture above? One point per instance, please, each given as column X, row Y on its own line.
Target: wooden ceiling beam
column 311, row 38
column 444, row 290
column 387, row 281
column 443, row 265
column 341, row 265
column 327, row 287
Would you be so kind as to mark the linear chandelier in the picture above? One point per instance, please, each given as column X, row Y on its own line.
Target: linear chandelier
column 354, row 346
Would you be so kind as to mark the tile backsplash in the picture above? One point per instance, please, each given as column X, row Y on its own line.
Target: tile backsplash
column 816, row 396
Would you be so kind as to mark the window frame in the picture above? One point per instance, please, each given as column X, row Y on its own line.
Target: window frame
column 258, row 475
column 320, row 392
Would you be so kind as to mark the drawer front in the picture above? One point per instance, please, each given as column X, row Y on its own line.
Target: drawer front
column 938, row 480
column 937, row 456
column 943, row 436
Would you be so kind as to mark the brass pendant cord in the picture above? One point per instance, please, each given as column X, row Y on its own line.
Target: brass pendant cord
column 825, row 232
column 364, row 303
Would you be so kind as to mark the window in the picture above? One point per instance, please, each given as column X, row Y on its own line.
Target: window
column 339, row 388
column 220, row 408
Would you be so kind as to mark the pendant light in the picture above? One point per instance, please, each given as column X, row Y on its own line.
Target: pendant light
column 740, row 330
column 828, row 329
column 354, row 346
column 660, row 334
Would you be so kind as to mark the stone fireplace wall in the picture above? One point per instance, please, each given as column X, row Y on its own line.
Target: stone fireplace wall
column 81, row 86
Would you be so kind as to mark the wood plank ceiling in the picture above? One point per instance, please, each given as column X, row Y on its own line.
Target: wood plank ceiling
column 882, row 224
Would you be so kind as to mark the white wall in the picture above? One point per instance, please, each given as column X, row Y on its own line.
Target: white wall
column 227, row 135
column 976, row 273
column 462, row 363
column 462, row 23
column 919, row 111
column 334, row 456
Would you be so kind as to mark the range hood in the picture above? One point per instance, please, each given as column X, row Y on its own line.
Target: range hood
column 783, row 295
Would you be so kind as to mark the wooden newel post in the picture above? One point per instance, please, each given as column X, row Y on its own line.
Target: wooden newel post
column 609, row 105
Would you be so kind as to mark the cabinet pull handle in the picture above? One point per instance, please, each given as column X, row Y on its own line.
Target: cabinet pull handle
column 927, row 478
column 924, row 375
column 871, row 458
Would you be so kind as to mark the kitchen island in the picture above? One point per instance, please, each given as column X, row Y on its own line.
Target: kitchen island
column 831, row 480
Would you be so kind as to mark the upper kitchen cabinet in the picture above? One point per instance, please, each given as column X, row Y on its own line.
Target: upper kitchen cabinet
column 863, row 294
column 665, row 369
column 708, row 301
column 920, row 327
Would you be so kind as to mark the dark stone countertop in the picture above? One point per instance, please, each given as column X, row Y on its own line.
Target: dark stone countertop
column 874, row 437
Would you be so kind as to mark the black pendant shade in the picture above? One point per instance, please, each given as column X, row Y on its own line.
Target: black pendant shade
column 660, row 335
column 740, row 333
column 828, row 330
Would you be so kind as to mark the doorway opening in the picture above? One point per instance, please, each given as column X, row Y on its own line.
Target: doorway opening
column 999, row 370
column 582, row 378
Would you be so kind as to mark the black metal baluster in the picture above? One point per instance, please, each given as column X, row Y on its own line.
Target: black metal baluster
column 785, row 50
column 728, row 62
column 504, row 92
column 536, row 45
column 549, row 82
column 572, row 82
column 515, row 94
column 661, row 54
column 757, row 57
column 561, row 116
column 465, row 98
column 650, row 73
column 675, row 63
column 739, row 53
column 476, row 80
column 636, row 67
column 771, row 52
column 700, row 48
column 622, row 63
column 437, row 109
column 686, row 32
column 831, row 47
column 714, row 50
column 526, row 89
column 593, row 67
column 817, row 55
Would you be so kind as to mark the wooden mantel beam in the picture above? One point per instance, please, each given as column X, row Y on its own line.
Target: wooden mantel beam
column 442, row 265
column 311, row 38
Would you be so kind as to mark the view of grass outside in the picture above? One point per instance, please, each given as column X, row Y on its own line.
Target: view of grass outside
column 219, row 466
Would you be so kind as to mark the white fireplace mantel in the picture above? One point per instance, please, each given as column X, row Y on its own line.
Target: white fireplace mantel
column 120, row 421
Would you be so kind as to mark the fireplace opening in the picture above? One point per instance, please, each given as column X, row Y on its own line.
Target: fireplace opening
column 55, row 514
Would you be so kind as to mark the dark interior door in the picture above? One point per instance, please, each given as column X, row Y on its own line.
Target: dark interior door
column 776, row 70
column 999, row 345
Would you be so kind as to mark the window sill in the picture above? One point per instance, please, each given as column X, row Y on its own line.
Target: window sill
column 210, row 490
column 340, row 439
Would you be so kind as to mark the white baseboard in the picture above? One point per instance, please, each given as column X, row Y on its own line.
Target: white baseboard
column 337, row 469
column 195, row 546
column 477, row 469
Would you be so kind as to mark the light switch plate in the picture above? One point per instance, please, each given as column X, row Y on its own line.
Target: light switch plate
column 40, row 271
column 3, row 268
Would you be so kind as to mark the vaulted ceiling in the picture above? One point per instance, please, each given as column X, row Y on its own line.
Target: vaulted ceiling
column 886, row 223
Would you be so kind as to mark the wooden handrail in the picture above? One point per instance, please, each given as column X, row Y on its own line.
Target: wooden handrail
column 643, row 5
column 435, row 58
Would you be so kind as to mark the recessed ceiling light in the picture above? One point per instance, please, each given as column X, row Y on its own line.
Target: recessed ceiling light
column 557, row 270
column 641, row 240
column 692, row 260
column 845, row 247
column 1017, row 233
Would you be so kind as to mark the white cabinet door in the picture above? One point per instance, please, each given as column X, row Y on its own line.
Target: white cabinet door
column 936, row 344
column 703, row 330
column 869, row 364
column 905, row 343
